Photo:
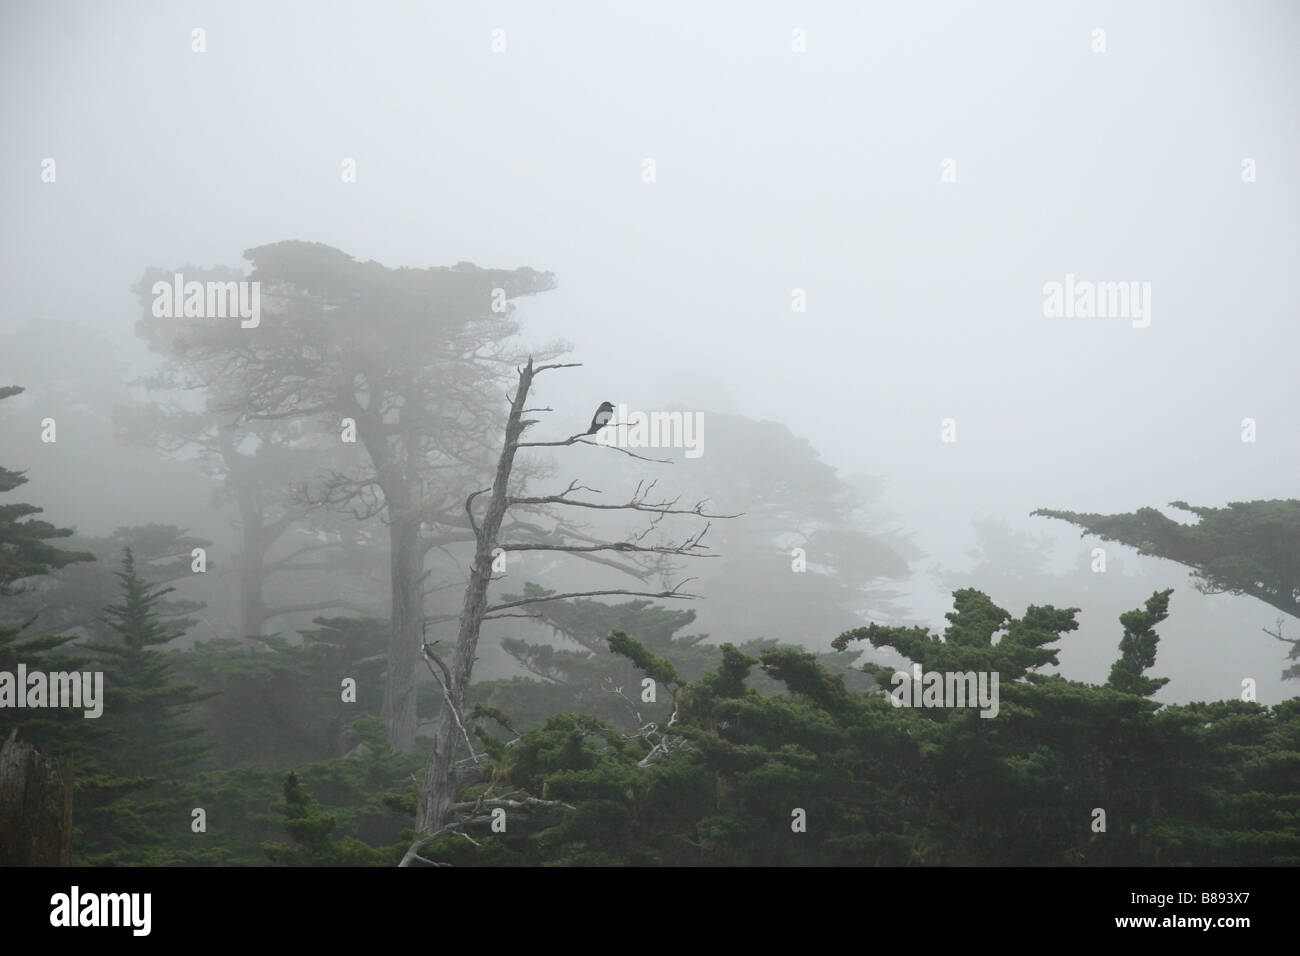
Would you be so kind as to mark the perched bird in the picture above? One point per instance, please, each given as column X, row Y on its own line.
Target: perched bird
column 601, row 418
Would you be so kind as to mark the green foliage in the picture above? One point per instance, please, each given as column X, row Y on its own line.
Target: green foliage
column 71, row 599
column 280, row 703
column 599, row 680
column 25, row 548
column 968, row 642
column 1249, row 547
column 1138, row 648
column 744, row 741
column 148, row 745
column 655, row 667
column 312, row 830
column 135, row 786
column 885, row 785
column 143, row 707
column 370, row 797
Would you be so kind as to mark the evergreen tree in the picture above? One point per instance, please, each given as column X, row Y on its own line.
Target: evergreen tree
column 26, row 552
column 25, row 548
column 71, row 600
column 143, row 706
column 120, row 809
column 878, row 784
column 1248, row 547
column 279, row 703
column 312, row 830
column 596, row 680
column 1138, row 648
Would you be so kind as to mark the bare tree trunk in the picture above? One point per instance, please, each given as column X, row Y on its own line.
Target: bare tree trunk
column 437, row 794
column 406, row 559
column 252, row 605
column 35, row 807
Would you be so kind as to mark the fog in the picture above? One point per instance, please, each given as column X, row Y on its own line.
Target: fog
column 919, row 172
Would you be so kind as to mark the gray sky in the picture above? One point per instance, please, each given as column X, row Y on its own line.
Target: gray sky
column 775, row 170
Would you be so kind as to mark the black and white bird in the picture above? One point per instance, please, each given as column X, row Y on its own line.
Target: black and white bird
column 601, row 418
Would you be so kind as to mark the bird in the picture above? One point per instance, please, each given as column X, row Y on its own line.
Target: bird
column 601, row 418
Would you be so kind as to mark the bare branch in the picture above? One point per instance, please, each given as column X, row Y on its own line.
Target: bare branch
column 528, row 803
column 469, row 508
column 577, row 440
column 671, row 593
column 635, row 713
column 659, row 508
column 430, row 659
column 665, row 745
column 1293, row 641
column 542, row 368
column 612, row 546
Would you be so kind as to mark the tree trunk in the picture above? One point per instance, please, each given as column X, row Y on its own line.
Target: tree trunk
column 406, row 560
column 252, row 606
column 35, row 807
column 438, row 792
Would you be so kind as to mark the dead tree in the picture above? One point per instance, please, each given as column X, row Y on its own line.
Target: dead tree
column 438, row 791
column 35, row 807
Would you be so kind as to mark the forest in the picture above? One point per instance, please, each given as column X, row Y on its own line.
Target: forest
column 645, row 435
column 395, row 485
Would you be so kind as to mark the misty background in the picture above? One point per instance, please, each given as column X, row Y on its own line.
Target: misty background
column 775, row 171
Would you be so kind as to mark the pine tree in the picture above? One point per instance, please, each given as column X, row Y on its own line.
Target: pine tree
column 143, row 706
column 312, row 830
column 121, row 811
column 57, row 733
column 25, row 550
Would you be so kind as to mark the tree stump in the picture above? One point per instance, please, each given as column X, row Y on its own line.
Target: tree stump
column 35, row 807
